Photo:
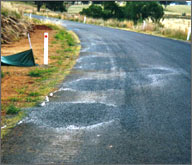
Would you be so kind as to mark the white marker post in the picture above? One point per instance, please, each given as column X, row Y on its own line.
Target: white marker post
column 144, row 24
column 189, row 33
column 30, row 15
column 29, row 41
column 45, row 48
column 84, row 21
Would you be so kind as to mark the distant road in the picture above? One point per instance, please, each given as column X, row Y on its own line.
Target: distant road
column 127, row 100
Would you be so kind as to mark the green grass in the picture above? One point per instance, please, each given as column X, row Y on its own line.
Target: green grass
column 34, row 94
column 61, row 35
column 2, row 74
column 65, row 36
column 41, row 72
column 21, row 91
column 31, row 99
column 54, row 42
column 14, row 99
column 12, row 109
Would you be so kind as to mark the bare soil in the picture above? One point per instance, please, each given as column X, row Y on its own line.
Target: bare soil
column 17, row 77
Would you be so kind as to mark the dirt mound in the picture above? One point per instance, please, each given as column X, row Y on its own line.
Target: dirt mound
column 42, row 27
column 13, row 29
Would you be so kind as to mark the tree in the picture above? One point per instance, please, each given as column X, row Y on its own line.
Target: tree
column 39, row 4
column 139, row 11
column 52, row 5
column 112, row 10
column 97, row 2
column 133, row 11
column 155, row 11
column 55, row 5
column 93, row 11
column 136, row 11
column 85, row 2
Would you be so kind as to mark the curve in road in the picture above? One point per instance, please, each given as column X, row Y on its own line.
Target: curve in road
column 127, row 100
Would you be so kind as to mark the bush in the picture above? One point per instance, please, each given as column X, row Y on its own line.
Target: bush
column 139, row 11
column 11, row 109
column 112, row 10
column 135, row 11
column 93, row 11
column 55, row 5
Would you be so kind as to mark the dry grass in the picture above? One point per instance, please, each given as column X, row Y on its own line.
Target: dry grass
column 9, row 6
column 75, row 9
column 177, row 24
column 178, row 10
column 168, row 25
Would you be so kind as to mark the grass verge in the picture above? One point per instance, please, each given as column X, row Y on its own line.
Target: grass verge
column 44, row 79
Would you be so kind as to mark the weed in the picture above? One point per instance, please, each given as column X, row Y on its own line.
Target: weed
column 35, row 73
column 41, row 72
column 34, row 94
column 70, row 40
column 21, row 91
column 14, row 99
column 61, row 35
column 55, row 57
column 54, row 42
column 8, row 73
column 68, row 50
column 11, row 109
column 59, row 62
column 2, row 74
column 30, row 99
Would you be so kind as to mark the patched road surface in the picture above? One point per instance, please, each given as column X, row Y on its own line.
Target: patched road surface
column 127, row 100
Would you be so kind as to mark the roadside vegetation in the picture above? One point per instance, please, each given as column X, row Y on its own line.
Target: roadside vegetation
column 23, row 87
column 13, row 24
column 134, row 11
column 175, row 22
column 147, row 17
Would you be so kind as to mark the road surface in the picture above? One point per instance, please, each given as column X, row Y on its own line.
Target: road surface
column 127, row 100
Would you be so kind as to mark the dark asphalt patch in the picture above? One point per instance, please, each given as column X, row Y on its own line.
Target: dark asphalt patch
column 65, row 114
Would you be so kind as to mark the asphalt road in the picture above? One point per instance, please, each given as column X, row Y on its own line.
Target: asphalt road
column 127, row 100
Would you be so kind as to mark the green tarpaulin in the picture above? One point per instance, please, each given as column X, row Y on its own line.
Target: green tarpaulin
column 20, row 59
